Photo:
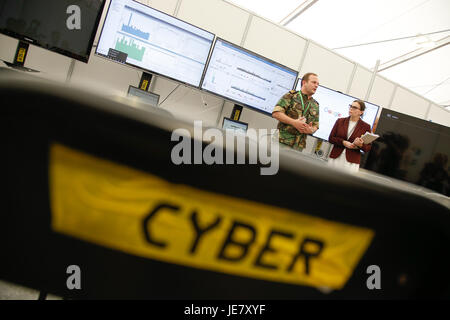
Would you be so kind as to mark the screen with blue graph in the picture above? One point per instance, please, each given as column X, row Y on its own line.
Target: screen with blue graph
column 154, row 41
column 247, row 78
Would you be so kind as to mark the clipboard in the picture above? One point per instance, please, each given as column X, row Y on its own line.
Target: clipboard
column 369, row 137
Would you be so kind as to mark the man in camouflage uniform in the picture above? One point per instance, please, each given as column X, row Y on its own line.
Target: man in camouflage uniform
column 298, row 113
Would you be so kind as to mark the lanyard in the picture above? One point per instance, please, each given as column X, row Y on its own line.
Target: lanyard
column 303, row 105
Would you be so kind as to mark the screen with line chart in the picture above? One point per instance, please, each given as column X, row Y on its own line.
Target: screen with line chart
column 333, row 105
column 152, row 40
column 246, row 78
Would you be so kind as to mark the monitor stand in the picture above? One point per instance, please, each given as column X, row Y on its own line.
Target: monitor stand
column 19, row 67
column 236, row 113
column 144, row 83
column 19, row 58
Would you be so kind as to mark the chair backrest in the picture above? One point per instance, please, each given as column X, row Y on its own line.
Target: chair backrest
column 93, row 183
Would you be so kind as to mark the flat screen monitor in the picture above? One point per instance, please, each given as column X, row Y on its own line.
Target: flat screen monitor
column 412, row 150
column 246, row 78
column 144, row 96
column 156, row 42
column 334, row 105
column 234, row 125
column 67, row 27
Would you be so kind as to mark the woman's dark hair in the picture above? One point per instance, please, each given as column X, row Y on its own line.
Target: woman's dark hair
column 362, row 105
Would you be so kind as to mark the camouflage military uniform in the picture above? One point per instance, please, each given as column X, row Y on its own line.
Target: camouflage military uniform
column 291, row 105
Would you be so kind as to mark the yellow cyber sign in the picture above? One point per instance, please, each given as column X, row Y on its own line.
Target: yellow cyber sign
column 141, row 214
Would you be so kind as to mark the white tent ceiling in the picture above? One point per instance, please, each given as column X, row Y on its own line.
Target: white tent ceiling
column 410, row 37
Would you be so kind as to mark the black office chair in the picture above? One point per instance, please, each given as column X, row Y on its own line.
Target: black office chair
column 46, row 126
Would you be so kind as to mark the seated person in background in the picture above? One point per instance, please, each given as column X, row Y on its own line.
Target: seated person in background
column 434, row 174
column 345, row 137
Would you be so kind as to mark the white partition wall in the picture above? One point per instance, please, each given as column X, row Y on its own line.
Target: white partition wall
column 360, row 83
column 166, row 6
column 109, row 77
column 410, row 103
column 226, row 112
column 51, row 65
column 381, row 92
column 439, row 115
column 333, row 70
column 275, row 43
column 187, row 103
column 263, row 121
column 8, row 47
column 223, row 19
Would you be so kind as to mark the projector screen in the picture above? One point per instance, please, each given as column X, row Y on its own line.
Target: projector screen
column 154, row 41
column 246, row 78
column 334, row 105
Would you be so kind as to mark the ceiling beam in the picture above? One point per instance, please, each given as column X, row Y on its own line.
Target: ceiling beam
column 388, row 40
column 297, row 11
column 413, row 54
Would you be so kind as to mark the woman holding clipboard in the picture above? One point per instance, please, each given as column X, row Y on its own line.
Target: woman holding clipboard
column 346, row 138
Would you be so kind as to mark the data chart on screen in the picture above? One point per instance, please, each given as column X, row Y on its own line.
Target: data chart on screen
column 246, row 78
column 155, row 41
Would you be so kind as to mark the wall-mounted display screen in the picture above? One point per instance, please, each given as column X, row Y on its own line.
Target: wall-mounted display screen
column 411, row 149
column 154, row 41
column 334, row 105
column 246, row 78
column 64, row 26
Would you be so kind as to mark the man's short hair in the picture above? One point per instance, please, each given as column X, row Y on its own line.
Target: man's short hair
column 307, row 75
